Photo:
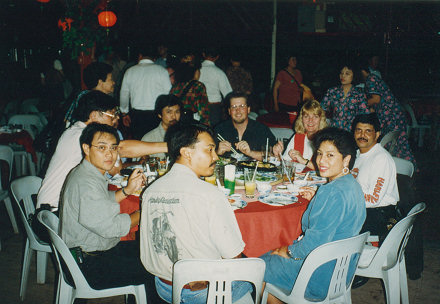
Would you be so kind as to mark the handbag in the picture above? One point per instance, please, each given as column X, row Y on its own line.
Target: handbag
column 301, row 89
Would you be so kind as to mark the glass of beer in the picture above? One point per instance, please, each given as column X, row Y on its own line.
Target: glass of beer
column 211, row 179
column 162, row 167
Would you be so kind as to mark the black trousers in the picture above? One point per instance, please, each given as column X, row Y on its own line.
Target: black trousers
column 119, row 266
column 377, row 221
column 142, row 122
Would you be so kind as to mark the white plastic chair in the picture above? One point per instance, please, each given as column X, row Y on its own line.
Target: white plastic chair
column 388, row 261
column 22, row 189
column 415, row 125
column 390, row 137
column 282, row 133
column 404, row 166
column 339, row 291
column 30, row 122
column 7, row 154
column 220, row 274
column 66, row 294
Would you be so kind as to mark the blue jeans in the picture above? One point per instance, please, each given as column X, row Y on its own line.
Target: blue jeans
column 165, row 291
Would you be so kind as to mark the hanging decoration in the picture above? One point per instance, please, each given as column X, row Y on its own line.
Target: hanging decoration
column 43, row 1
column 107, row 19
column 65, row 23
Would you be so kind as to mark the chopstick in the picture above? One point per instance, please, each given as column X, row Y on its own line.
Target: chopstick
column 220, row 138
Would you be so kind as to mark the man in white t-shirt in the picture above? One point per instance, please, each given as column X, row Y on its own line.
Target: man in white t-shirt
column 184, row 217
column 375, row 171
column 93, row 106
column 216, row 83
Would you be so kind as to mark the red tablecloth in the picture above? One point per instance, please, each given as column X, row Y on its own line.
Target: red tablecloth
column 128, row 205
column 264, row 227
column 275, row 120
column 22, row 138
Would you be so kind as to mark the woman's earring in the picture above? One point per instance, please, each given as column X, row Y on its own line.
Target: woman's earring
column 345, row 170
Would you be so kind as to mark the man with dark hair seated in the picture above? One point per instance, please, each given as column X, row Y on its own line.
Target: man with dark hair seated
column 184, row 217
column 244, row 134
column 91, row 224
column 94, row 106
column 375, row 171
column 168, row 109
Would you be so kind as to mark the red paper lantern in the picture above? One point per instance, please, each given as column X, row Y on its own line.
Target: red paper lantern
column 107, row 18
column 43, row 1
column 65, row 23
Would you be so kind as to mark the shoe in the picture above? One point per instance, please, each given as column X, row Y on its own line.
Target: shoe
column 358, row 282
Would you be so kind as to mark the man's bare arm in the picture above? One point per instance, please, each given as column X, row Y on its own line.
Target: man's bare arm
column 137, row 148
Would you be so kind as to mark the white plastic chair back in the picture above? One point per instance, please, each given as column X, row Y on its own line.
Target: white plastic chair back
column 22, row 190
column 282, row 133
column 7, row 154
column 341, row 251
column 390, row 137
column 67, row 293
column 220, row 274
column 30, row 122
column 388, row 261
column 404, row 166
column 414, row 124
column 253, row 115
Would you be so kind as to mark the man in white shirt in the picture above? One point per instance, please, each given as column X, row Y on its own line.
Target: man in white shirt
column 94, row 106
column 375, row 171
column 184, row 217
column 216, row 83
column 168, row 109
column 141, row 86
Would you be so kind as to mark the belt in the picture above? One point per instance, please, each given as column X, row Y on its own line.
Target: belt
column 171, row 283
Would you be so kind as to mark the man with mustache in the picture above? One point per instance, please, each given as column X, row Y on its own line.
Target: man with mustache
column 168, row 109
column 375, row 171
column 184, row 217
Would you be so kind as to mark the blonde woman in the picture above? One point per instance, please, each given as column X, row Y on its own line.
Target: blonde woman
column 311, row 119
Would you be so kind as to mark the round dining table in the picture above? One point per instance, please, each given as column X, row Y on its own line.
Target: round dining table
column 263, row 227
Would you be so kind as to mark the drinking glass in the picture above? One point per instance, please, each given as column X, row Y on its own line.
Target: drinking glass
column 162, row 167
column 229, row 181
column 249, row 183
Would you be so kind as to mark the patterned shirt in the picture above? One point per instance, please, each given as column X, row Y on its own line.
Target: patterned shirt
column 240, row 79
column 195, row 100
column 344, row 109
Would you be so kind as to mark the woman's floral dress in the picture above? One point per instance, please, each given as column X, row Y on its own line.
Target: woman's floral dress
column 344, row 109
column 390, row 114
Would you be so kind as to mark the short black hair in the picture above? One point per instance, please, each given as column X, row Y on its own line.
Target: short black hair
column 370, row 119
column 94, row 72
column 93, row 101
column 211, row 52
column 89, row 132
column 341, row 139
column 235, row 94
column 163, row 101
column 184, row 71
column 182, row 135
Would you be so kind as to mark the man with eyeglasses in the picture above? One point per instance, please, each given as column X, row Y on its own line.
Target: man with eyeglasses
column 91, row 224
column 94, row 106
column 245, row 135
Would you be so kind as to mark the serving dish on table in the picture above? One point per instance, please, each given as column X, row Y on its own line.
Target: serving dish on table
column 262, row 166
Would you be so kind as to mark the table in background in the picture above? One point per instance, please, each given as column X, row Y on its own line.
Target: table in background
column 22, row 138
column 275, row 120
column 264, row 227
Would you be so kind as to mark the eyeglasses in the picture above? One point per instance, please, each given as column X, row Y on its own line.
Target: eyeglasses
column 105, row 148
column 112, row 116
column 240, row 106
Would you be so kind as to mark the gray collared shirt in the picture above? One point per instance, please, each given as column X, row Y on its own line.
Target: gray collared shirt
column 90, row 216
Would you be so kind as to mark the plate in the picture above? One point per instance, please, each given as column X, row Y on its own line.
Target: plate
column 278, row 199
column 262, row 166
column 236, row 202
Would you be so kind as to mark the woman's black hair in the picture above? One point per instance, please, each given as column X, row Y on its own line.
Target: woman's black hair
column 341, row 139
column 357, row 76
column 185, row 71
